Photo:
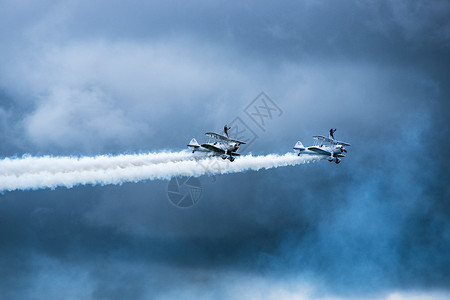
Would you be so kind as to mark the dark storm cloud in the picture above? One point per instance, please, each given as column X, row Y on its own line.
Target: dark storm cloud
column 89, row 77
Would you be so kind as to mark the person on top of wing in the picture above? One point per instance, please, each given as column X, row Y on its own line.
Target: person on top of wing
column 332, row 131
column 225, row 129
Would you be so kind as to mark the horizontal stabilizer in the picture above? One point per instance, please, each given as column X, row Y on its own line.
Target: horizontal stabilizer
column 193, row 143
column 299, row 146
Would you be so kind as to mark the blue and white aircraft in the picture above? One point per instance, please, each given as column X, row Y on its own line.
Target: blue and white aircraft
column 327, row 147
column 218, row 145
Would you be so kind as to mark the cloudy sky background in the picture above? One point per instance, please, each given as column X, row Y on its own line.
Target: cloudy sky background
column 85, row 78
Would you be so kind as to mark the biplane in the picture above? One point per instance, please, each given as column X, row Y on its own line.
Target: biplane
column 327, row 147
column 217, row 145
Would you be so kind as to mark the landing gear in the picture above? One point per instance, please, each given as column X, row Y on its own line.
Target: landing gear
column 231, row 158
column 335, row 159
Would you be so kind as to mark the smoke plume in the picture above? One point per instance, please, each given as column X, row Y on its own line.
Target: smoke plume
column 50, row 172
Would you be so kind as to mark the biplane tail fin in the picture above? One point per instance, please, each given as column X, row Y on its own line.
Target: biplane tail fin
column 193, row 144
column 299, row 146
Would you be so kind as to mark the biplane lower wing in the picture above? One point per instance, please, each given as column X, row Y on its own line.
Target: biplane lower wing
column 212, row 148
column 319, row 151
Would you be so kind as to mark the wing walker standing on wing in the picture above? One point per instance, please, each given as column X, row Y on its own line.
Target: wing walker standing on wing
column 332, row 131
column 225, row 129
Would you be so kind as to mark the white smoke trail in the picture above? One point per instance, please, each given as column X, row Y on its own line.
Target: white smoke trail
column 30, row 164
column 51, row 172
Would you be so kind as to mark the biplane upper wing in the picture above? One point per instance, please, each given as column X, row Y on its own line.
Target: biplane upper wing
column 216, row 136
column 323, row 139
column 319, row 151
column 213, row 148
column 236, row 141
column 343, row 143
column 328, row 140
column 222, row 137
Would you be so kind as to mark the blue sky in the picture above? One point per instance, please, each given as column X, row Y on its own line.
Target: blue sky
column 85, row 78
